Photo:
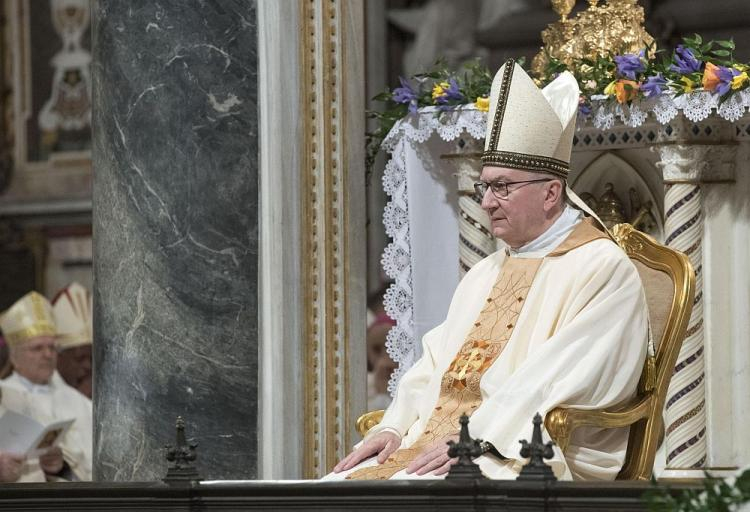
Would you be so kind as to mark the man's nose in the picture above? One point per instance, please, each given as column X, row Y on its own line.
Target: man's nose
column 489, row 200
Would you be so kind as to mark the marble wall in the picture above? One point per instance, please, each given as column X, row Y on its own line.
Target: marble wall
column 175, row 234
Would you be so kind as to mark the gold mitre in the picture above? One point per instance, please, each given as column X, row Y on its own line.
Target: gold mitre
column 29, row 317
column 72, row 309
column 530, row 128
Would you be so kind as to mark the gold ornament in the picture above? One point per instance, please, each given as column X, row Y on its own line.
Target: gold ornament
column 615, row 28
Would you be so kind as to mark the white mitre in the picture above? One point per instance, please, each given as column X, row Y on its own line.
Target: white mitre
column 532, row 129
column 72, row 308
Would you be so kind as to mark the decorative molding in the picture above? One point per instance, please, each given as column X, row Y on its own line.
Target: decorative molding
column 695, row 163
column 330, row 213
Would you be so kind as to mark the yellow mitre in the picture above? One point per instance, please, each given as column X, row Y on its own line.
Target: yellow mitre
column 29, row 317
column 530, row 128
column 72, row 309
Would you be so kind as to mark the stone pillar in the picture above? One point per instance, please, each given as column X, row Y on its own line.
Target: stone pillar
column 175, row 235
column 685, row 167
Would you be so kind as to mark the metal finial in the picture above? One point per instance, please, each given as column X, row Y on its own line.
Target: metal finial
column 181, row 457
column 536, row 451
column 465, row 449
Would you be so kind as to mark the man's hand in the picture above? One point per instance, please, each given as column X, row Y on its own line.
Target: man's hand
column 382, row 444
column 52, row 461
column 10, row 467
column 433, row 457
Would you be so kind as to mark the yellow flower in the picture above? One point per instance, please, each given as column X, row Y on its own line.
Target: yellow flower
column 741, row 67
column 689, row 84
column 439, row 90
column 739, row 80
column 482, row 104
column 585, row 68
column 610, row 89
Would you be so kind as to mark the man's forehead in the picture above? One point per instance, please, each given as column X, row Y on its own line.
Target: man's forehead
column 492, row 173
column 40, row 341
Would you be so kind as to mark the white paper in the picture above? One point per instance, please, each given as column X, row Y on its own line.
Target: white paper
column 25, row 436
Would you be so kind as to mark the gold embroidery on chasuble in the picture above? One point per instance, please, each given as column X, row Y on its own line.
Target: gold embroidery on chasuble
column 459, row 390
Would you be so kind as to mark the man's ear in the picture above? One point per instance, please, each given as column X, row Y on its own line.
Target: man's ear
column 553, row 197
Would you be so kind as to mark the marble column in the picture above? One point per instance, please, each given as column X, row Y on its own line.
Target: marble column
column 175, row 235
column 685, row 168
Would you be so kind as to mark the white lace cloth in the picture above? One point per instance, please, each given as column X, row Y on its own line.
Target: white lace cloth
column 696, row 106
column 416, row 129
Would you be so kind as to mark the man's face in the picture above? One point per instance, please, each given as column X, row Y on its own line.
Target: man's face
column 74, row 366
column 36, row 359
column 519, row 218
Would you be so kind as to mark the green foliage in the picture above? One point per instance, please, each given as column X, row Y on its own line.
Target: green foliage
column 717, row 495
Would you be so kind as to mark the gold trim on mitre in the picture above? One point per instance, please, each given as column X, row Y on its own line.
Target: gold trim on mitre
column 529, row 128
column 30, row 317
column 72, row 310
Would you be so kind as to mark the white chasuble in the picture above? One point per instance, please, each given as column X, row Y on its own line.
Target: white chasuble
column 55, row 402
column 579, row 340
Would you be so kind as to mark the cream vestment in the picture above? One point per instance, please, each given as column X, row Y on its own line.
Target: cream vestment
column 54, row 402
column 566, row 327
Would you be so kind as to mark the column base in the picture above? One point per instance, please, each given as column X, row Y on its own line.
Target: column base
column 692, row 474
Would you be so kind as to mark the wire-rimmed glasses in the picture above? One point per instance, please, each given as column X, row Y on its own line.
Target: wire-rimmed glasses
column 499, row 188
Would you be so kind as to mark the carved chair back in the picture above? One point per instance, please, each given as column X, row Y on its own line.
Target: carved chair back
column 669, row 282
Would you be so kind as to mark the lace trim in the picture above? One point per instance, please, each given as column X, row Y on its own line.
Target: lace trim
column 401, row 344
column 696, row 106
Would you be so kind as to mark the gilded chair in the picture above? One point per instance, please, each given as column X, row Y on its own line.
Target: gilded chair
column 669, row 282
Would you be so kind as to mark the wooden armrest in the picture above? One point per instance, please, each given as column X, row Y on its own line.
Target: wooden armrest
column 561, row 422
column 369, row 420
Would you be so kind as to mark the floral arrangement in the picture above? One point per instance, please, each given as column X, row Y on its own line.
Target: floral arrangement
column 694, row 65
column 717, row 495
column 439, row 87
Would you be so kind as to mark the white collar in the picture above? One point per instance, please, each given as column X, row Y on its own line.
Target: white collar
column 548, row 241
column 32, row 387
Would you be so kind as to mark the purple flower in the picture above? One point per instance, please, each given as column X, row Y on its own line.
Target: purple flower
column 584, row 108
column 685, row 61
column 406, row 94
column 654, row 85
column 725, row 80
column 452, row 93
column 629, row 65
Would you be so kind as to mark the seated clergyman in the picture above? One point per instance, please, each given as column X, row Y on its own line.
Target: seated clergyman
column 36, row 390
column 558, row 318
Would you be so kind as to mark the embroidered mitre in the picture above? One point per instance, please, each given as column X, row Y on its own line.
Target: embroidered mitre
column 530, row 128
column 30, row 317
column 73, row 315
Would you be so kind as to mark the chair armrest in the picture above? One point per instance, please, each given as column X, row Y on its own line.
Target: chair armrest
column 369, row 420
column 561, row 422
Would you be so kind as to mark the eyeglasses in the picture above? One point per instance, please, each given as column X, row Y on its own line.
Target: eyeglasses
column 500, row 188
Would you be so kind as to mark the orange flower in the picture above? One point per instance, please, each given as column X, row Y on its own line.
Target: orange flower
column 711, row 77
column 626, row 90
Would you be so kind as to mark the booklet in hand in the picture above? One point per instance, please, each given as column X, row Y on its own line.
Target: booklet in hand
column 25, row 436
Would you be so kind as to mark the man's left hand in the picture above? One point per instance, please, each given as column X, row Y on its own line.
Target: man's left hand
column 52, row 461
column 433, row 458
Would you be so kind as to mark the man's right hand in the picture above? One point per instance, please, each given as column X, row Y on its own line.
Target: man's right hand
column 382, row 445
column 10, row 467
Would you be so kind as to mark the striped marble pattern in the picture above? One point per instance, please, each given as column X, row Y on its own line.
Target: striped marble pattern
column 475, row 239
column 685, row 411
